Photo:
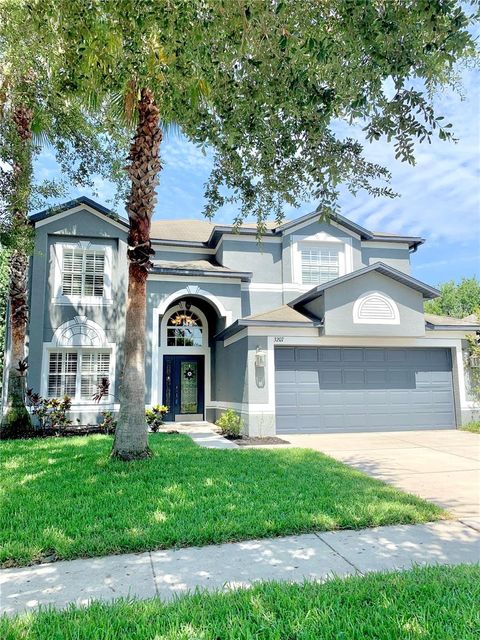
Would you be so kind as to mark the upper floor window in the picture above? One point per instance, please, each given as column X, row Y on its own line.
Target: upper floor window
column 83, row 272
column 184, row 329
column 320, row 264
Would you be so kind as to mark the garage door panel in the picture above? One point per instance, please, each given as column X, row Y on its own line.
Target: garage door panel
column 335, row 389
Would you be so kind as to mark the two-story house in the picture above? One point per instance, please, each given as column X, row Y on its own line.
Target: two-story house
column 320, row 328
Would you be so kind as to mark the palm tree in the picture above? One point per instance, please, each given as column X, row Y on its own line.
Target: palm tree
column 143, row 169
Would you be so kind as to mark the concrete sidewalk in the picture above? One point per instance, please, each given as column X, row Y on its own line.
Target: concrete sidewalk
column 294, row 558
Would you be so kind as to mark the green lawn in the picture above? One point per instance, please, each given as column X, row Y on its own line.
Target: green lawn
column 434, row 603
column 473, row 427
column 65, row 498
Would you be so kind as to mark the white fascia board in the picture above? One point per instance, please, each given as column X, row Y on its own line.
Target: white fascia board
column 77, row 209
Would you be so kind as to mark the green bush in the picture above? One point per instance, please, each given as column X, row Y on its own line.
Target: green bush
column 155, row 415
column 230, row 424
column 108, row 424
column 473, row 427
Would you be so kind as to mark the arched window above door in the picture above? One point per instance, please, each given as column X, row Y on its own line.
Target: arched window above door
column 185, row 328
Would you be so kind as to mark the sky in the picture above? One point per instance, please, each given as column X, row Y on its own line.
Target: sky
column 439, row 197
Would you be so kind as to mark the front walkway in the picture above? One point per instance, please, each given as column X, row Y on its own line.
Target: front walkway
column 439, row 466
column 294, row 558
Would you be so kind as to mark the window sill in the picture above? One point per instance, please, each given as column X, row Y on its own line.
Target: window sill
column 91, row 301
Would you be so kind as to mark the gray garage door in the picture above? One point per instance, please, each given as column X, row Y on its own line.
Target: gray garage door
column 328, row 390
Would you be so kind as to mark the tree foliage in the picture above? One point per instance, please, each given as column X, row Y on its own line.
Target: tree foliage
column 456, row 300
column 264, row 82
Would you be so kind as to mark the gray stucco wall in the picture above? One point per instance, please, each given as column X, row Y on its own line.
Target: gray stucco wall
column 264, row 260
column 339, row 301
column 231, row 379
column 46, row 316
column 397, row 258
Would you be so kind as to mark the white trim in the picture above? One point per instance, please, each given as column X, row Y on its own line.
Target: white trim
column 158, row 351
column 345, row 254
column 203, row 279
column 193, row 290
column 363, row 299
column 56, row 345
column 271, row 287
column 76, row 209
column 167, row 316
column 56, row 257
column 78, row 333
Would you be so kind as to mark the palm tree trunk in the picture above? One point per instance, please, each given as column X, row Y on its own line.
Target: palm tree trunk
column 131, row 433
column 16, row 421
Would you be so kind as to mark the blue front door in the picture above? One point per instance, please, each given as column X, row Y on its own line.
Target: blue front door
column 183, row 387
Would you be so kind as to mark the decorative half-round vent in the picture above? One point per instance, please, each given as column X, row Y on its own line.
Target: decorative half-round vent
column 375, row 308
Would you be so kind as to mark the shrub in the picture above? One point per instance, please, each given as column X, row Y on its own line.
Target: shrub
column 109, row 423
column 51, row 413
column 230, row 424
column 155, row 415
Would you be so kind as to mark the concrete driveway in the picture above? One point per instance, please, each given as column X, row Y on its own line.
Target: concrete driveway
column 440, row 466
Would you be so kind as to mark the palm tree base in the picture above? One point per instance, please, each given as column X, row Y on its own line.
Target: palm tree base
column 127, row 456
column 16, row 423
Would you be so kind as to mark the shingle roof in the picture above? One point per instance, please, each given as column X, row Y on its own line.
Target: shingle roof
column 199, row 267
column 184, row 230
column 470, row 322
column 206, row 232
column 282, row 314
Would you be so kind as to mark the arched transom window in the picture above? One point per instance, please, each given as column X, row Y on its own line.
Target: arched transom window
column 184, row 329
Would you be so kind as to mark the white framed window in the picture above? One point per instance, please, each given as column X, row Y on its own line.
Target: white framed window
column 320, row 263
column 76, row 374
column 319, row 258
column 76, row 360
column 375, row 308
column 82, row 273
column 184, row 329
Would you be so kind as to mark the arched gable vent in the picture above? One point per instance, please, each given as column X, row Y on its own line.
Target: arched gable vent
column 375, row 308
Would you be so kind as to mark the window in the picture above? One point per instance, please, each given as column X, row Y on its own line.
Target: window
column 76, row 373
column 83, row 272
column 319, row 264
column 184, row 329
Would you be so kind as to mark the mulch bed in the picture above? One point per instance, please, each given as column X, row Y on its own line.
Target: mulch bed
column 246, row 441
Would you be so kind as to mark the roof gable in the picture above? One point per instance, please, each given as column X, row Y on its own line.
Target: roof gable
column 75, row 205
column 426, row 290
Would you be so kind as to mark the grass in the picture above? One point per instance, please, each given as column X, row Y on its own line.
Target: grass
column 473, row 427
column 65, row 498
column 430, row 603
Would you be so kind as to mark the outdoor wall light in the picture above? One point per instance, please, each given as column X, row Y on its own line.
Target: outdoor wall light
column 260, row 357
